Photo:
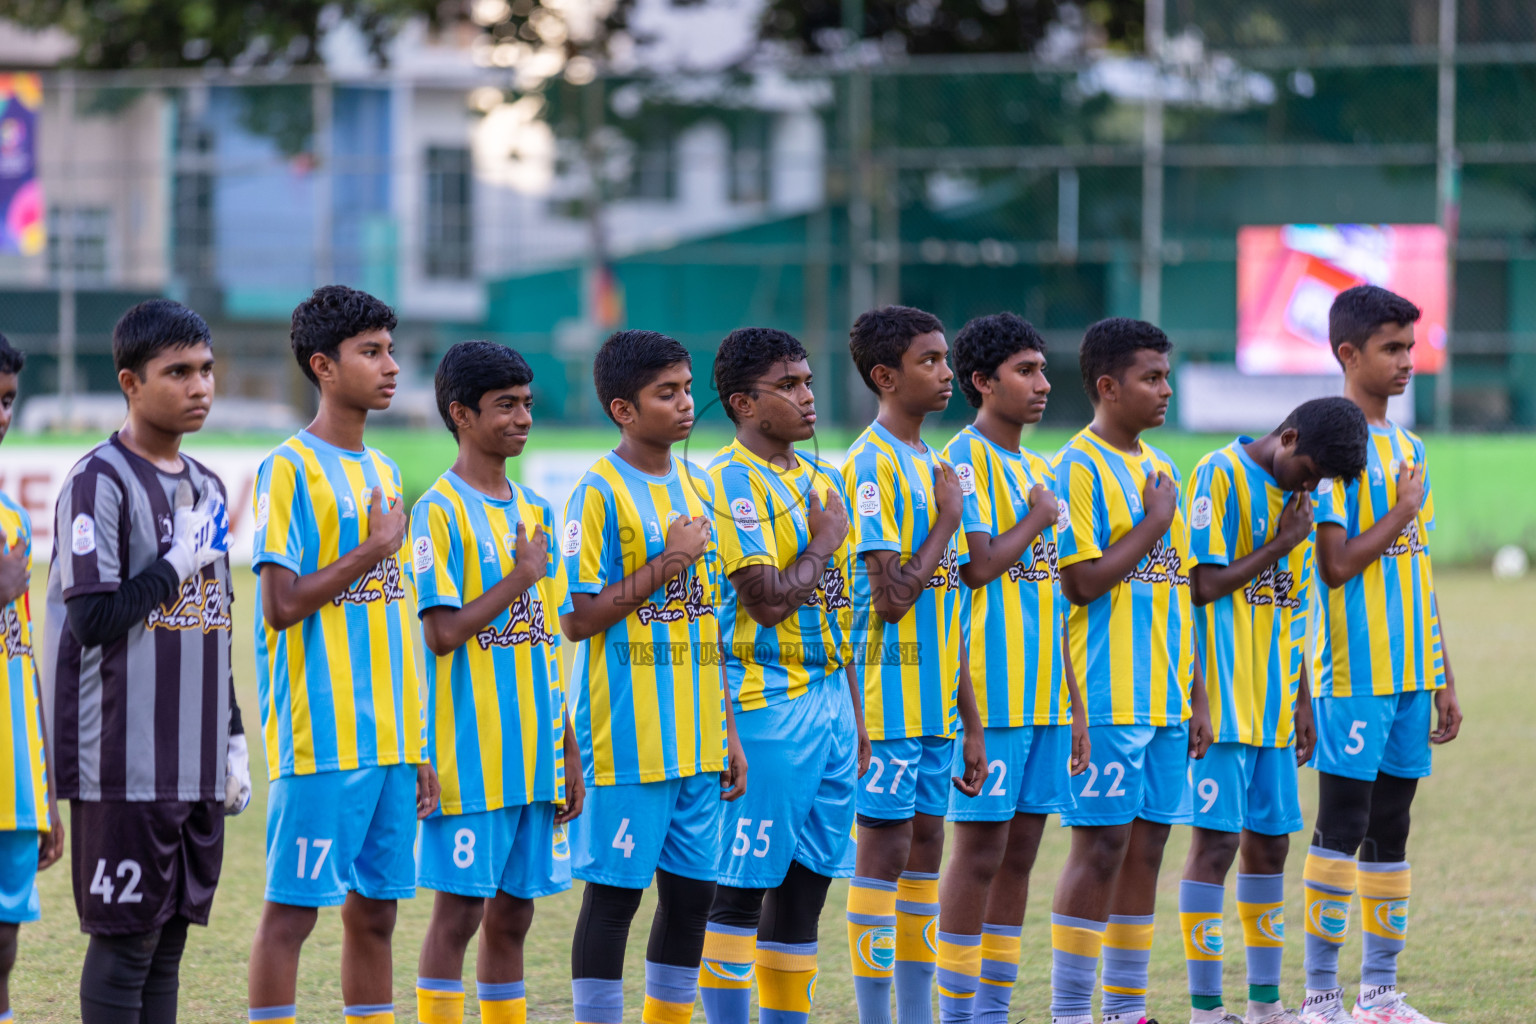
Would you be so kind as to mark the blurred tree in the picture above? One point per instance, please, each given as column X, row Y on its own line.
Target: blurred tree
column 183, row 33
column 946, row 26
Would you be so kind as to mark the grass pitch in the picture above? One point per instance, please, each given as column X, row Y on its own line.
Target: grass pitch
column 1471, row 952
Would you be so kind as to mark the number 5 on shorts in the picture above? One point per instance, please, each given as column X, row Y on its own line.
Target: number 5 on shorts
column 1356, row 738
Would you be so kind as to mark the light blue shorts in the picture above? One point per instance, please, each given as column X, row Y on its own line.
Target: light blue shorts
column 1029, row 771
column 906, row 777
column 1358, row 737
column 1134, row 771
column 803, row 765
column 626, row 832
column 1237, row 787
column 337, row 832
column 515, row 849
column 19, row 900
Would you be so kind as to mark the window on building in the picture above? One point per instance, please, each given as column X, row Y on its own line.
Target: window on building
column 448, row 224
column 86, row 231
column 654, row 172
column 749, row 156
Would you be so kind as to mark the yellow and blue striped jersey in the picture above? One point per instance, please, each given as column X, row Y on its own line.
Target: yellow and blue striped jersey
column 910, row 670
column 23, row 770
column 650, row 697
column 1013, row 624
column 1132, row 648
column 1380, row 632
column 760, row 520
column 1253, row 640
column 495, row 706
column 338, row 690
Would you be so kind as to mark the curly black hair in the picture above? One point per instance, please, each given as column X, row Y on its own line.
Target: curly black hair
column 629, row 360
column 12, row 359
column 1361, row 311
column 880, row 337
column 150, row 328
column 329, row 317
column 984, row 342
column 1110, row 345
column 471, row 368
column 1333, row 431
column 745, row 354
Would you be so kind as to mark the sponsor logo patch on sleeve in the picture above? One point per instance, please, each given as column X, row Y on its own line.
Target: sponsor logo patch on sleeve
column 744, row 513
column 423, row 554
column 571, row 542
column 869, row 498
column 967, row 474
column 1200, row 513
column 82, row 535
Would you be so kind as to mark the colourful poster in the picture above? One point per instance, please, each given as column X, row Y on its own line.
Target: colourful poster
column 1288, row 275
column 21, row 197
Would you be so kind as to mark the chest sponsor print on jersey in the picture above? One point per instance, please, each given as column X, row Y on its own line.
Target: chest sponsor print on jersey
column 382, row 582
column 199, row 604
column 525, row 624
column 682, row 598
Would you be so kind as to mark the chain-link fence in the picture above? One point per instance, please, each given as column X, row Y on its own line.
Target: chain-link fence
column 1066, row 185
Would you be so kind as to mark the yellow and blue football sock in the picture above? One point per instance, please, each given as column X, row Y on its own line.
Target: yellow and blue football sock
column 1075, row 947
column 669, row 993
column 999, row 971
column 1384, row 890
column 501, row 1002
column 786, row 982
column 872, row 946
column 369, row 1013
column 959, row 965
column 1261, row 906
column 1329, row 881
column 274, row 1014
column 439, row 1001
column 598, row 1000
column 1200, row 913
column 7, row 1017
column 917, row 951
column 1127, row 957
column 725, row 974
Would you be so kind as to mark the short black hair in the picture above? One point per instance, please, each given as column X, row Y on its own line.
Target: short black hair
column 745, row 354
column 880, row 337
column 1333, row 432
column 1361, row 311
column 984, row 342
column 331, row 315
column 150, row 328
column 1110, row 345
column 471, row 368
column 12, row 359
column 629, row 360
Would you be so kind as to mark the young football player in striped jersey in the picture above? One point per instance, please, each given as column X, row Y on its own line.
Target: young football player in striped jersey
column 785, row 614
column 490, row 594
column 136, row 673
column 31, row 834
column 1250, row 522
column 653, row 718
column 1122, row 548
column 341, row 705
column 1026, row 697
column 1381, row 669
column 912, row 666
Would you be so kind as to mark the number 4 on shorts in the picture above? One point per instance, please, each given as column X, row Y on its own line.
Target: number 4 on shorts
column 622, row 840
